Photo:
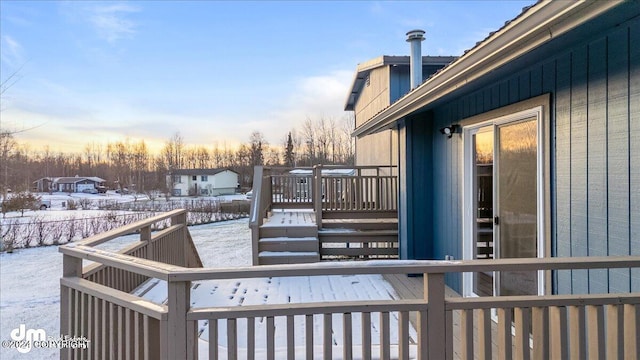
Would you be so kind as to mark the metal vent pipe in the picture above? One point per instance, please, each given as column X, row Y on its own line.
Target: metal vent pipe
column 415, row 38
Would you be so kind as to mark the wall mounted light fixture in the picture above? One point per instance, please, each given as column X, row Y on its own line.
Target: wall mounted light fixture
column 450, row 130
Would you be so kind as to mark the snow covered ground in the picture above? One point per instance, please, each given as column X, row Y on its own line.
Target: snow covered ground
column 29, row 289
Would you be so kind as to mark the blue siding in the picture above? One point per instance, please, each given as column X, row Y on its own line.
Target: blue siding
column 634, row 148
column 579, row 225
column 400, row 79
column 594, row 82
column 618, row 165
column 419, row 179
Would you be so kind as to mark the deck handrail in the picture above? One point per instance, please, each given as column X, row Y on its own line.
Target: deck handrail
column 381, row 267
column 169, row 331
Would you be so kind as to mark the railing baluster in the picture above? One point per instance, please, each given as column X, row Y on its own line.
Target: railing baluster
column 366, row 336
column 595, row 331
column 251, row 338
column 385, row 336
column 631, row 331
column 213, row 339
column 403, row 335
column 291, row 345
column 615, row 332
column 271, row 329
column 448, row 326
column 504, row 333
column 232, row 339
column 128, row 347
column 577, row 333
column 558, row 332
column 466, row 334
column 484, row 334
column 347, row 336
column 522, row 321
column 327, row 337
column 540, row 328
column 308, row 326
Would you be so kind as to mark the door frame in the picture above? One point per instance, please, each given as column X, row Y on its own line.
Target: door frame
column 536, row 107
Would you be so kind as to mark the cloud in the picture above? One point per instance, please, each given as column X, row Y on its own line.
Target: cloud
column 12, row 52
column 111, row 22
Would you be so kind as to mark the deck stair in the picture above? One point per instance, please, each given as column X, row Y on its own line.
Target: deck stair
column 288, row 237
column 357, row 235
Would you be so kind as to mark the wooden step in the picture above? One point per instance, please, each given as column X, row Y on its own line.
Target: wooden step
column 353, row 236
column 358, row 214
column 288, row 231
column 287, row 244
column 361, row 224
column 287, row 257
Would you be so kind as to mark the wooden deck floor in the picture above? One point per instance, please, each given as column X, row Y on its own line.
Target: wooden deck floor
column 287, row 217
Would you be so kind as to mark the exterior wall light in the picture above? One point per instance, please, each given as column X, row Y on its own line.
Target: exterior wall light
column 450, row 130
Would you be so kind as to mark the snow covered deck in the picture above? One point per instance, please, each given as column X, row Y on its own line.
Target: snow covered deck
column 290, row 217
column 328, row 310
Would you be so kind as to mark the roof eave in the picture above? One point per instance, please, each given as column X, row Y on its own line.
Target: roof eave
column 539, row 24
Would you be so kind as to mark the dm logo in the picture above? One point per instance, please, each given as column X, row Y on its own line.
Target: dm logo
column 25, row 337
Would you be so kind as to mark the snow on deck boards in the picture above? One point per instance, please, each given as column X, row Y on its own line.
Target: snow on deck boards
column 285, row 217
column 285, row 290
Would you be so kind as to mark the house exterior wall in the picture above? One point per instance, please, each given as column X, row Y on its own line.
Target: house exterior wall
column 377, row 149
column 222, row 183
column 594, row 87
column 374, row 95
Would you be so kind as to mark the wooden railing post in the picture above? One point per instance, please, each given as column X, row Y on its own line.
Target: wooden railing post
column 71, row 267
column 317, row 194
column 436, row 340
column 256, row 215
column 178, row 334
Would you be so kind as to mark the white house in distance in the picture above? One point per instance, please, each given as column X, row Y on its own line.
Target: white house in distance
column 208, row 182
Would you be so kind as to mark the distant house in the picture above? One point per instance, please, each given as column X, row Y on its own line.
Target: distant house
column 525, row 146
column 207, row 182
column 68, row 184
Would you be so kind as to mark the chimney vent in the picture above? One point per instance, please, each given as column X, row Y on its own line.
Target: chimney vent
column 415, row 38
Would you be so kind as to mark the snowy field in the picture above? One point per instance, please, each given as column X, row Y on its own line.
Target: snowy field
column 29, row 289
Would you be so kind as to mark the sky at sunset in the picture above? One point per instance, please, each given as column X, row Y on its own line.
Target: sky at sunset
column 213, row 71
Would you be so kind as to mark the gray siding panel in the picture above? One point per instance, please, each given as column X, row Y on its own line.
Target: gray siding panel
column 618, row 154
column 597, row 159
column 578, row 118
column 634, row 148
column 563, row 166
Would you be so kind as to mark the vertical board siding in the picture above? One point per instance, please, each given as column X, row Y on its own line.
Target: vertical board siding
column 597, row 158
column 634, row 147
column 595, row 154
column 579, row 169
column 618, row 154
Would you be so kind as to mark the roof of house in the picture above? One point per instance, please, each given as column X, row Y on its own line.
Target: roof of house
column 199, row 171
column 534, row 26
column 71, row 179
column 363, row 70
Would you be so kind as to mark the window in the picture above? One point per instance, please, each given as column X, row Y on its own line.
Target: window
column 204, row 178
column 177, row 179
column 194, row 178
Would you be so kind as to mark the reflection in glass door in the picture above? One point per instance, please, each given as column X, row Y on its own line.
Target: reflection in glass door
column 516, row 215
column 483, row 243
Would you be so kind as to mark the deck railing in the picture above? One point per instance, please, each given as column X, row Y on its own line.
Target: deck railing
column 539, row 327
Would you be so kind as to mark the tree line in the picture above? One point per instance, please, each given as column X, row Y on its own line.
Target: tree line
column 130, row 164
